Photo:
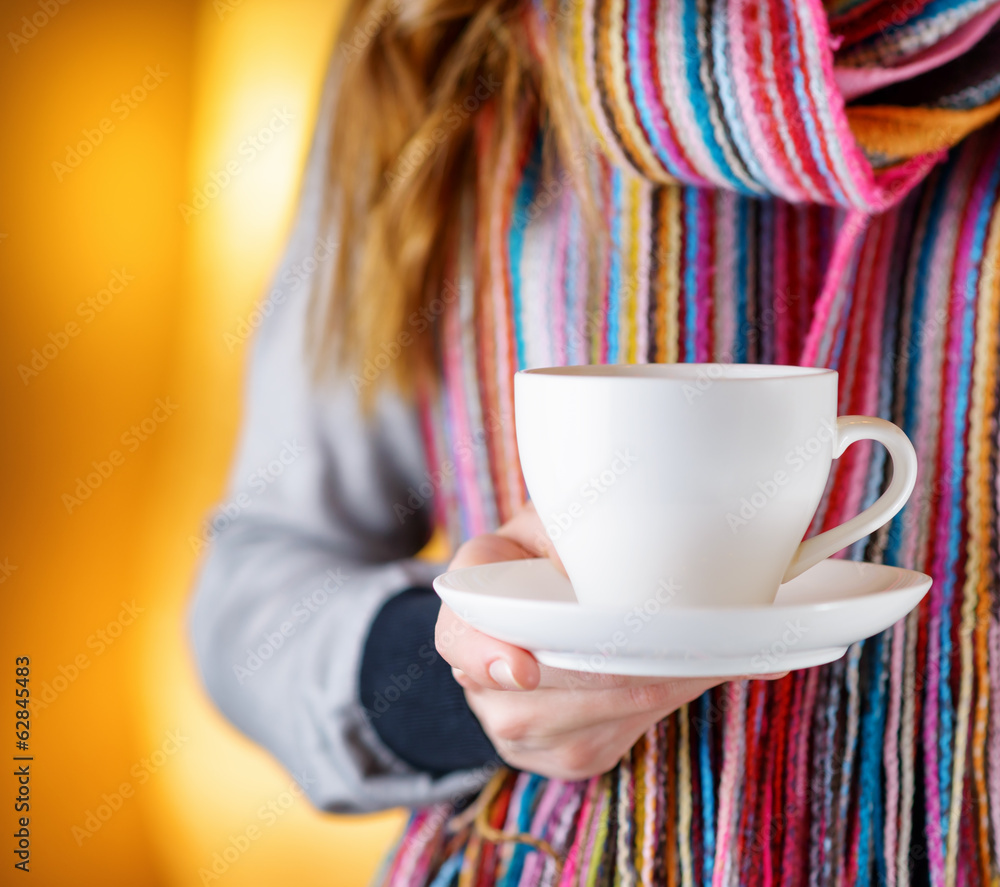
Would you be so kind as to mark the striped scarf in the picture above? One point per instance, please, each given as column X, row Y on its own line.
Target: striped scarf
column 754, row 215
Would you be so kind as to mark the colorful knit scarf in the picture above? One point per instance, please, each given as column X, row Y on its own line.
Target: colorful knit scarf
column 752, row 217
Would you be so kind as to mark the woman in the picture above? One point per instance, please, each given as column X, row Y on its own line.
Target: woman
column 521, row 184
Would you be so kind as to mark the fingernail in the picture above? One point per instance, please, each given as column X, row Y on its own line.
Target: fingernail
column 501, row 673
column 457, row 674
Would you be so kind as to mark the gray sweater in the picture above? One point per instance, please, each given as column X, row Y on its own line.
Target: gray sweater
column 306, row 548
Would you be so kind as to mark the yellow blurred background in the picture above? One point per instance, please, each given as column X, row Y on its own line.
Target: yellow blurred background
column 120, row 403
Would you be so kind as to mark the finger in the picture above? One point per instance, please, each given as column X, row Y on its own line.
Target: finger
column 463, row 680
column 489, row 548
column 487, row 661
column 527, row 530
column 578, row 756
column 553, row 713
column 764, row 677
column 567, row 679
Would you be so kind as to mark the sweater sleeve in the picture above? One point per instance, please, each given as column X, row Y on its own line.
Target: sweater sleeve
column 310, row 542
column 409, row 693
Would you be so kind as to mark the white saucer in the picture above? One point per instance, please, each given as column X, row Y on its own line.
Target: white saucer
column 813, row 620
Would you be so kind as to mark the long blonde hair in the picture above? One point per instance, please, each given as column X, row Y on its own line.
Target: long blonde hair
column 415, row 76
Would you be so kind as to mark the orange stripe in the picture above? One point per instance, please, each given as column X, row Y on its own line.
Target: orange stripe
column 908, row 132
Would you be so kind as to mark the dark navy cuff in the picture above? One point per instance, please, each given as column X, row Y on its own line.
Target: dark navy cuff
column 409, row 694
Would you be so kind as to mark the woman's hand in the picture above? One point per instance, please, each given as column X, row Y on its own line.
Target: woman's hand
column 558, row 723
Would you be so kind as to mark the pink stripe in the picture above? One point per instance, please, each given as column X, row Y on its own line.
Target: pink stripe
column 845, row 162
column 725, row 277
column 456, row 396
column 746, row 85
column 643, row 283
column 535, row 861
column 730, row 779
column 413, row 849
column 559, row 285
column 652, row 96
column 948, row 470
column 705, row 262
column 671, row 57
column 993, row 751
column 781, row 265
column 582, row 831
column 874, row 192
column 843, row 253
column 923, row 435
column 591, row 848
column 564, row 818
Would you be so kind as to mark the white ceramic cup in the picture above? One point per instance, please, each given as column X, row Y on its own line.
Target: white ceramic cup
column 691, row 484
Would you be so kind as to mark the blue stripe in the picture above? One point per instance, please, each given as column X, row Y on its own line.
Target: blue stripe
column 805, row 104
column 635, row 37
column 691, row 230
column 911, row 399
column 524, row 816
column 955, row 477
column 870, row 764
column 743, row 271
column 707, row 787
column 515, row 244
column 696, row 91
column 615, row 271
column 840, row 331
column 449, row 871
column 730, row 106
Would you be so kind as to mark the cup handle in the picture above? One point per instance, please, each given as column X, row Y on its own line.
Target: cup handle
column 851, row 429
